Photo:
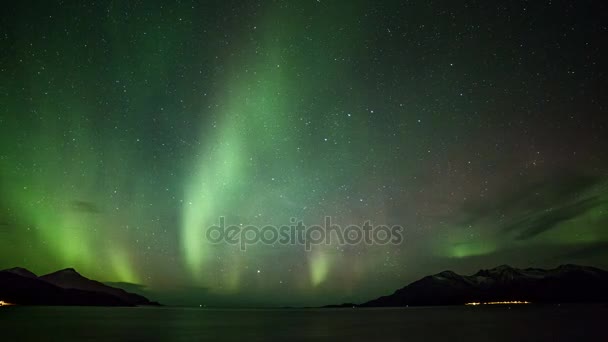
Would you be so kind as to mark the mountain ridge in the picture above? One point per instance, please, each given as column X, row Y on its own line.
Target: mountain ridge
column 64, row 287
column 565, row 283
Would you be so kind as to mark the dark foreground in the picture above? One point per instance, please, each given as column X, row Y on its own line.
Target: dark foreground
column 459, row 323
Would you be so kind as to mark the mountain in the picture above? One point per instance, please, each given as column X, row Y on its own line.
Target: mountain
column 70, row 279
column 17, row 289
column 66, row 287
column 566, row 283
column 22, row 272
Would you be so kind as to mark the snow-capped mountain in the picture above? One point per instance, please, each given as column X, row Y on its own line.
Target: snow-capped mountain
column 566, row 283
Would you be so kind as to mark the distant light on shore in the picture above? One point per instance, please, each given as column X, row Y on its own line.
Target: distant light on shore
column 498, row 303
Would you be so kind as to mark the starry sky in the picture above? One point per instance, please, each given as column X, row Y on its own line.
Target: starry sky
column 126, row 128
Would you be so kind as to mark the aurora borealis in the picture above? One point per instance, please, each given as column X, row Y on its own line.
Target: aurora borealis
column 127, row 128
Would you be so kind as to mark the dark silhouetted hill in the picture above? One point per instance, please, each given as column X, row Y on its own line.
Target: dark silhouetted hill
column 564, row 284
column 70, row 279
column 66, row 287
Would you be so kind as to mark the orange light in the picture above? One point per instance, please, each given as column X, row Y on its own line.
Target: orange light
column 499, row 303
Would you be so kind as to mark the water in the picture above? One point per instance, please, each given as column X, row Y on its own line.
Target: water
column 518, row 323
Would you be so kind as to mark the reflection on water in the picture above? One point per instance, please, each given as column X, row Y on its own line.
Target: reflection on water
column 478, row 323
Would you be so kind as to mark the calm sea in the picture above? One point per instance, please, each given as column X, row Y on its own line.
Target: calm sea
column 516, row 323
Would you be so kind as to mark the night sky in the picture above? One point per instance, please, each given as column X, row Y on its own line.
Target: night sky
column 128, row 127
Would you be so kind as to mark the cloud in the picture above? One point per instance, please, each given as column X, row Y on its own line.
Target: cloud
column 535, row 208
column 549, row 219
column 85, row 207
column 531, row 197
column 588, row 251
column 129, row 287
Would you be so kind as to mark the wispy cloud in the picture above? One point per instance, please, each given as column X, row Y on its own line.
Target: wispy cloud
column 85, row 207
column 538, row 207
